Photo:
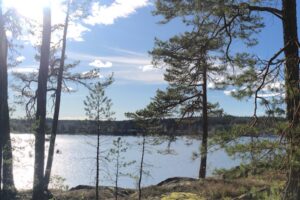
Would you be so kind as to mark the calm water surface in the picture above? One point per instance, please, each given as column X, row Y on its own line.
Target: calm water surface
column 74, row 160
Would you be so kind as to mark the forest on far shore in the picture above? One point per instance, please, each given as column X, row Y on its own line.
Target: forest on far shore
column 172, row 126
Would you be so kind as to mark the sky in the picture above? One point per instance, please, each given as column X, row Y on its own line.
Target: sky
column 116, row 37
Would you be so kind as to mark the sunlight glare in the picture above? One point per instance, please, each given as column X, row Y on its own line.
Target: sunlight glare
column 32, row 9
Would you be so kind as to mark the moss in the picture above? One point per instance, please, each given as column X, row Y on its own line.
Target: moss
column 181, row 196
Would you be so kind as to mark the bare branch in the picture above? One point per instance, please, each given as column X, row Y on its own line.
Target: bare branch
column 265, row 76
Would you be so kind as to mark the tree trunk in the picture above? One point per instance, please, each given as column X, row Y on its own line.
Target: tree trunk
column 202, row 172
column 98, row 149
column 97, row 160
column 141, row 168
column 57, row 103
column 38, row 186
column 8, row 190
column 292, row 95
column 2, row 96
column 0, row 168
column 117, row 173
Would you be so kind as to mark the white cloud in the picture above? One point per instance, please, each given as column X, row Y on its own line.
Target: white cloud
column 68, row 89
column 99, row 64
column 120, row 60
column 103, row 14
column 134, row 74
column 128, row 67
column 263, row 93
column 100, row 14
column 271, row 94
column 89, row 73
column 211, row 85
column 129, row 52
column 23, row 70
column 147, row 68
column 229, row 92
column 20, row 58
column 278, row 85
column 75, row 32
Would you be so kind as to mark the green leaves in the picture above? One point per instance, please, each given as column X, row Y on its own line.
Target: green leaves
column 97, row 105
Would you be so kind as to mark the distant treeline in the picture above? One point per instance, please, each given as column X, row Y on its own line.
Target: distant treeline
column 176, row 127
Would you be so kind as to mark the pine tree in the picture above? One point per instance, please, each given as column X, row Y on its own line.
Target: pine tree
column 188, row 70
column 242, row 20
column 119, row 162
column 57, row 100
column 98, row 108
column 8, row 22
column 148, row 123
column 4, row 115
column 38, row 186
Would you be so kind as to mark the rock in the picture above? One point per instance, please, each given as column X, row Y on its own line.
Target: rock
column 176, row 180
column 82, row 187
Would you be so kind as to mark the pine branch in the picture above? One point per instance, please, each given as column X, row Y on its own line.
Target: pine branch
column 264, row 79
column 274, row 11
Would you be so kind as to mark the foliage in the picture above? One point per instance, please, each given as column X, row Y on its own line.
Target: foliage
column 181, row 196
column 254, row 76
column 119, row 161
column 58, row 182
column 115, row 156
column 26, row 84
column 97, row 104
column 97, row 108
column 185, row 59
column 258, row 148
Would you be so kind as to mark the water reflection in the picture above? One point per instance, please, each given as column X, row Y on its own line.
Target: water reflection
column 75, row 160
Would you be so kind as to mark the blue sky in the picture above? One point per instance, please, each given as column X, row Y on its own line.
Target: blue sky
column 119, row 42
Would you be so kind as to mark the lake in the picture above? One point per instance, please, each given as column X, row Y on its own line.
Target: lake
column 74, row 160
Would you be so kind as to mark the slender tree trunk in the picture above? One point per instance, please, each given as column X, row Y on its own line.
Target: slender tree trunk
column 202, row 172
column 117, row 173
column 2, row 96
column 292, row 95
column 8, row 190
column 0, row 169
column 141, row 168
column 38, row 186
column 57, row 103
column 98, row 159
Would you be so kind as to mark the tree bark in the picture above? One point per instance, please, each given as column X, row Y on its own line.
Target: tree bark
column 2, row 96
column 202, row 172
column 292, row 95
column 98, row 149
column 57, row 103
column 8, row 190
column 98, row 159
column 117, row 172
column 38, row 186
column 292, row 57
column 0, row 168
column 141, row 168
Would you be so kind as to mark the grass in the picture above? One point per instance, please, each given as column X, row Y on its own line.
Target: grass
column 266, row 186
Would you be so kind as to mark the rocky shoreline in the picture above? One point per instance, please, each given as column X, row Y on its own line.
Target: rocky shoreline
column 176, row 188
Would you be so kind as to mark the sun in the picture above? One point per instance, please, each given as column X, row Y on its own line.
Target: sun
column 33, row 9
column 28, row 8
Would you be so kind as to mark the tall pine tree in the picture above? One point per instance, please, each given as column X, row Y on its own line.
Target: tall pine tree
column 9, row 21
column 234, row 20
column 188, row 70
column 38, row 186
column 57, row 100
column 98, row 107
